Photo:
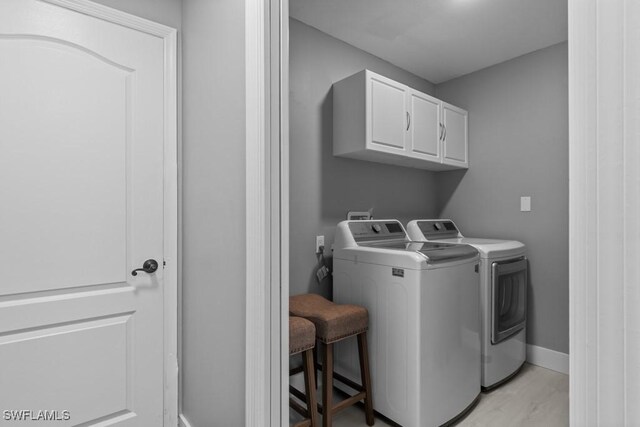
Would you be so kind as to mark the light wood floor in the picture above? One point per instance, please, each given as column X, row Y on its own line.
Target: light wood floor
column 536, row 397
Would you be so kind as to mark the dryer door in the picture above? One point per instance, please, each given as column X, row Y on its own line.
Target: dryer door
column 509, row 298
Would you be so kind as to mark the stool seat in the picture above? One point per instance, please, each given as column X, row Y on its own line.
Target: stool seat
column 333, row 321
column 302, row 335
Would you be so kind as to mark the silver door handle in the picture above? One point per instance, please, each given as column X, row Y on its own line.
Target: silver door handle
column 408, row 120
column 441, row 130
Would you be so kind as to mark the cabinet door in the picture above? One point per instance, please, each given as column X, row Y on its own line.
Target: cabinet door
column 424, row 127
column 455, row 151
column 387, row 115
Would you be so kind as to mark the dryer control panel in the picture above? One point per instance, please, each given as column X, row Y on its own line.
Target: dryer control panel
column 364, row 231
column 438, row 229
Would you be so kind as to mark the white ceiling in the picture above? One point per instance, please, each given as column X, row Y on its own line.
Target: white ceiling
column 439, row 39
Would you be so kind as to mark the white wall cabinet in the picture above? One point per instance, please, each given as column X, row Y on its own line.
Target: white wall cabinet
column 454, row 140
column 425, row 127
column 387, row 124
column 380, row 120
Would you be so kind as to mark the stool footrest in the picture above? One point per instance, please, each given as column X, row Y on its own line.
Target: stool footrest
column 348, row 402
column 352, row 384
column 297, row 393
column 298, row 407
column 303, row 423
column 344, row 404
column 296, row 370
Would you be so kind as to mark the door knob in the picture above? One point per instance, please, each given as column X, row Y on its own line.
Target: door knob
column 149, row 266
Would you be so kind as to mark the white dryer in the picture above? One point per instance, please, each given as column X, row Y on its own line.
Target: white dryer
column 424, row 320
column 503, row 301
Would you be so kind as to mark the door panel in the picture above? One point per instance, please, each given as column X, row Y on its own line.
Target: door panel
column 388, row 115
column 72, row 136
column 81, row 182
column 97, row 351
column 455, row 141
column 425, row 127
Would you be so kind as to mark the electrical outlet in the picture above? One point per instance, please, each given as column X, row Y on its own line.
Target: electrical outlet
column 319, row 244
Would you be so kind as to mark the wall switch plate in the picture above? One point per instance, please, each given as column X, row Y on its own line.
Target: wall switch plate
column 319, row 243
column 525, row 204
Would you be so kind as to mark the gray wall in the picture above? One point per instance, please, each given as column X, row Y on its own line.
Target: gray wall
column 323, row 188
column 213, row 289
column 518, row 146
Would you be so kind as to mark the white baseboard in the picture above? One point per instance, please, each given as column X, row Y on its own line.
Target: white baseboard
column 547, row 358
column 183, row 422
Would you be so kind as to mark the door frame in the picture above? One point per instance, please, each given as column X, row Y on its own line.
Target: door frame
column 604, row 211
column 170, row 193
column 267, row 212
column 267, row 209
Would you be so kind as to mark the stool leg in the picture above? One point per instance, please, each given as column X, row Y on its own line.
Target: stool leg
column 316, row 365
column 310, row 386
column 365, row 374
column 327, row 386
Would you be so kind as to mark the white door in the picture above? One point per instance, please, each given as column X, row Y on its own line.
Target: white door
column 425, row 128
column 81, row 206
column 389, row 118
column 455, row 150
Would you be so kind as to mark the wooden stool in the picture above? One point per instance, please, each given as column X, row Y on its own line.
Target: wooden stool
column 335, row 322
column 302, row 339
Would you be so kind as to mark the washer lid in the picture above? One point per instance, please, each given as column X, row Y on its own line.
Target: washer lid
column 490, row 247
column 434, row 252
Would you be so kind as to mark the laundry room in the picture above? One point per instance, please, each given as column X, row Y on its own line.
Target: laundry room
column 311, row 213
column 499, row 73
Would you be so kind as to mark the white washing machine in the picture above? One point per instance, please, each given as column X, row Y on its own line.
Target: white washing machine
column 424, row 320
column 503, row 301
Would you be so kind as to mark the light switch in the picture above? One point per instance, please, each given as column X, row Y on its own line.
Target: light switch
column 525, row 204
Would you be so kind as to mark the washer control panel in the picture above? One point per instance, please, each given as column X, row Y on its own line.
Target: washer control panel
column 377, row 230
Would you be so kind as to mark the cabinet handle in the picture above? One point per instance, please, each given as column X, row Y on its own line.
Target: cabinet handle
column 444, row 137
column 408, row 120
column 441, row 130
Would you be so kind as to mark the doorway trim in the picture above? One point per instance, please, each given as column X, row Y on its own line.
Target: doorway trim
column 170, row 209
column 590, row 177
column 604, row 211
column 267, row 213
